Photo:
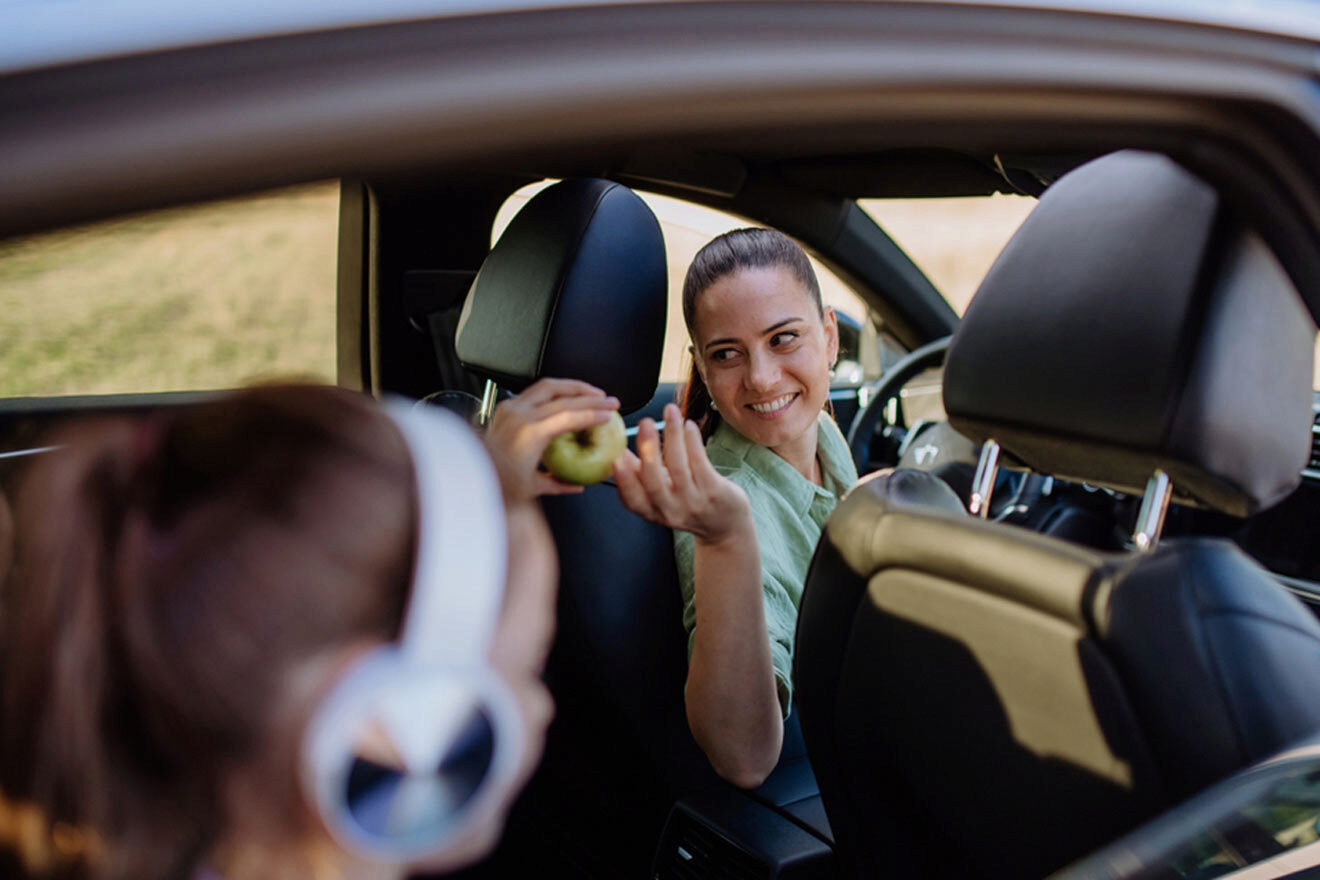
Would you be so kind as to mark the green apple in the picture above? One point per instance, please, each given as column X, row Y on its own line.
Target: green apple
column 586, row 457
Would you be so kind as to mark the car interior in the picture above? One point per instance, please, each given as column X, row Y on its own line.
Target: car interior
column 1078, row 589
column 1047, row 711
column 1063, row 548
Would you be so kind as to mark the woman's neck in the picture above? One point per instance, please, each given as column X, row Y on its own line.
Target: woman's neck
column 800, row 453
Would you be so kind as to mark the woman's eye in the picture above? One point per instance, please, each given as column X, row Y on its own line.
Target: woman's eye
column 722, row 354
column 783, row 338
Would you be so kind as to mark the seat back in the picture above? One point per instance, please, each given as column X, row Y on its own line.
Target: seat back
column 956, row 704
column 982, row 700
column 577, row 288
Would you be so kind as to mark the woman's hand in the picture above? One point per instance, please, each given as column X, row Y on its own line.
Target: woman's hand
column 524, row 425
column 674, row 484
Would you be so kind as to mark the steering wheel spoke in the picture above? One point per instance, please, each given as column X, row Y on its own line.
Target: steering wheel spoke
column 870, row 432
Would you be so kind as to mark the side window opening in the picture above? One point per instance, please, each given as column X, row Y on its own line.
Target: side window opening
column 687, row 227
column 201, row 297
column 955, row 240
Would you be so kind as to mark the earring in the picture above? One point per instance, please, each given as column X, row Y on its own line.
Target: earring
column 713, row 407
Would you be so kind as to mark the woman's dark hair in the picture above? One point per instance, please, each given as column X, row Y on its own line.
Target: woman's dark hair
column 169, row 572
column 751, row 248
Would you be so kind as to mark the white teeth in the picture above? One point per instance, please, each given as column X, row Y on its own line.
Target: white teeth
column 777, row 403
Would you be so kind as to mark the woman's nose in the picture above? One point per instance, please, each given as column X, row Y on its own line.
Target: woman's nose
column 762, row 372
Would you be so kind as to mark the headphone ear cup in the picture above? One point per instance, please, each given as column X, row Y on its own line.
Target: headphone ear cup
column 402, row 760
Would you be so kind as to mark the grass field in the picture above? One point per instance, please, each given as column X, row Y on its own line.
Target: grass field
column 203, row 297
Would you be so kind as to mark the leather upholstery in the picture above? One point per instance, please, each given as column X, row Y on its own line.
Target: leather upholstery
column 619, row 750
column 1131, row 324
column 575, row 288
column 982, row 700
column 1221, row 662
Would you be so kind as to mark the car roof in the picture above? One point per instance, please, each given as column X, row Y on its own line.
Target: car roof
column 40, row 33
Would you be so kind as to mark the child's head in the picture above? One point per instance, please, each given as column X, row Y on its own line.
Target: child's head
column 185, row 588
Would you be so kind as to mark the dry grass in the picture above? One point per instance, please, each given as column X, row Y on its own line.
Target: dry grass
column 203, row 297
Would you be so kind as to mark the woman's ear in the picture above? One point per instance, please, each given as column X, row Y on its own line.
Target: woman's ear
column 831, row 334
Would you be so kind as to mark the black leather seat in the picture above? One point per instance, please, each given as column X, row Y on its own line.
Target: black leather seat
column 576, row 287
column 981, row 700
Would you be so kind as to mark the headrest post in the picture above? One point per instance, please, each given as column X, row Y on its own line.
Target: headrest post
column 984, row 481
column 489, row 398
column 1155, row 504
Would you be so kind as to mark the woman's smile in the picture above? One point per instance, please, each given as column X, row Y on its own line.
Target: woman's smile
column 773, row 409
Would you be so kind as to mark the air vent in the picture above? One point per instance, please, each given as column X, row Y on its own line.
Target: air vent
column 1312, row 470
column 692, row 851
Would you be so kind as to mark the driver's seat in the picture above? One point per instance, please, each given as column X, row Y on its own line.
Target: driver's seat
column 981, row 700
column 577, row 288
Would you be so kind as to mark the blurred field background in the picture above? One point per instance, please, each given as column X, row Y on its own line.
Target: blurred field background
column 224, row 294
column 202, row 297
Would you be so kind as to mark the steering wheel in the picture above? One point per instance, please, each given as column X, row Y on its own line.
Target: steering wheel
column 862, row 432
column 937, row 447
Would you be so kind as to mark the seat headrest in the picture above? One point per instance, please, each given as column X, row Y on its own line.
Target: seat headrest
column 1134, row 323
column 575, row 288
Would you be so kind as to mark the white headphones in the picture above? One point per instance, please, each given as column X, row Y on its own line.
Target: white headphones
column 419, row 741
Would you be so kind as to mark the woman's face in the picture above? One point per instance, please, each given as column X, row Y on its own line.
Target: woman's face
column 765, row 353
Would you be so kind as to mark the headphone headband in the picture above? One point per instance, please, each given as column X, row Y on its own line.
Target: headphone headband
column 462, row 547
column 419, row 742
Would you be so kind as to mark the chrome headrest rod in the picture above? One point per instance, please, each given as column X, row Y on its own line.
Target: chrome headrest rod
column 1155, row 504
column 489, row 398
column 984, row 481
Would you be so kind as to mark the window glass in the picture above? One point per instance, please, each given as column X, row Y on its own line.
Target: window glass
column 1283, row 819
column 686, row 228
column 202, row 297
column 953, row 241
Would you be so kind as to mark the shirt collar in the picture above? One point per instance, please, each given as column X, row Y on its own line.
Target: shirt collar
column 796, row 489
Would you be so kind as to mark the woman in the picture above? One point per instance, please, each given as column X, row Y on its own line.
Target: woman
column 748, row 506
column 187, row 587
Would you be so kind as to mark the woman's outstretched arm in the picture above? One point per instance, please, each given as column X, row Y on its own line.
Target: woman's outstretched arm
column 731, row 698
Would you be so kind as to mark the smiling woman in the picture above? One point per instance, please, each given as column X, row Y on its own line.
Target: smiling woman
column 209, row 296
column 747, row 507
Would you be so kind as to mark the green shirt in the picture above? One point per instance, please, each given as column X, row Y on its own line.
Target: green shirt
column 789, row 512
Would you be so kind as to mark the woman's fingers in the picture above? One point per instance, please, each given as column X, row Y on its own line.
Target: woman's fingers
column 676, row 454
column 703, row 472
column 655, row 476
column 628, row 479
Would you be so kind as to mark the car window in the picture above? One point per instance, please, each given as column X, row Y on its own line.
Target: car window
column 1268, row 831
column 202, row 297
column 686, row 228
column 952, row 240
column 955, row 240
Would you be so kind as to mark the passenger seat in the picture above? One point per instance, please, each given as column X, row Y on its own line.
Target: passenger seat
column 981, row 700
